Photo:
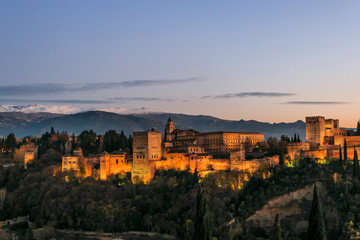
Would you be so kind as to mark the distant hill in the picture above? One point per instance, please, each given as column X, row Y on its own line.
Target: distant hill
column 24, row 124
column 207, row 123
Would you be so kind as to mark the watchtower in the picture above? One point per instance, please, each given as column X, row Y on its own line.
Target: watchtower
column 315, row 129
column 146, row 150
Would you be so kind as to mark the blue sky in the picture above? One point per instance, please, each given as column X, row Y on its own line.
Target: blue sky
column 264, row 60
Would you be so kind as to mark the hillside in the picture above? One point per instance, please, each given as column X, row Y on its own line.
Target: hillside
column 23, row 124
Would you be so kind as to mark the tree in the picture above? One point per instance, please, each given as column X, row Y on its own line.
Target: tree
column 88, row 140
column 281, row 158
column 345, row 150
column 81, row 164
column 11, row 142
column 285, row 138
column 356, row 166
column 277, row 228
column 111, row 141
column 358, row 128
column 29, row 234
column 316, row 229
column 129, row 144
column 52, row 131
column 340, row 157
column 202, row 230
column 248, row 145
column 276, row 146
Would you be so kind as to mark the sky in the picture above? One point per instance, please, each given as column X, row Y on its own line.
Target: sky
column 271, row 61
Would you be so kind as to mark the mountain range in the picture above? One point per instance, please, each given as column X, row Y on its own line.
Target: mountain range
column 35, row 123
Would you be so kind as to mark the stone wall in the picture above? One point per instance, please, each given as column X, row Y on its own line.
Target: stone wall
column 70, row 163
column 350, row 140
column 294, row 149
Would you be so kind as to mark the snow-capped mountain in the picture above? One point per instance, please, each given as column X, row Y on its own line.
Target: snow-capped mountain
column 35, row 108
column 121, row 110
column 67, row 109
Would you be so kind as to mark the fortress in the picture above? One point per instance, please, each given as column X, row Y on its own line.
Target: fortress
column 178, row 149
column 324, row 138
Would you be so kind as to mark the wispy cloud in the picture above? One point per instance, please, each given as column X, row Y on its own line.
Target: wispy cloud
column 135, row 83
column 32, row 89
column 143, row 99
column 85, row 101
column 316, row 103
column 43, row 88
column 59, row 101
column 251, row 94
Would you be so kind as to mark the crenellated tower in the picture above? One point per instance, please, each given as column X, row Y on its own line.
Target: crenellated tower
column 315, row 130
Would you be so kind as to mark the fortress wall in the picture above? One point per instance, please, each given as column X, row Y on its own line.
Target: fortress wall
column 350, row 140
column 248, row 166
column 320, row 154
column 220, row 164
column 295, row 148
column 88, row 168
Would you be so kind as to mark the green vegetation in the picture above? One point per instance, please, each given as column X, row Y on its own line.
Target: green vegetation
column 202, row 229
column 277, row 228
column 356, row 173
column 167, row 205
column 88, row 140
column 340, row 158
column 316, row 229
column 345, row 150
column 180, row 203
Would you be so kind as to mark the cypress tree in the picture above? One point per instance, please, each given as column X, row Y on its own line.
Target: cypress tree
column 358, row 129
column 345, row 150
column 29, row 234
column 202, row 230
column 281, row 158
column 277, row 228
column 316, row 230
column 356, row 166
column 11, row 142
column 340, row 157
column 298, row 138
column 52, row 131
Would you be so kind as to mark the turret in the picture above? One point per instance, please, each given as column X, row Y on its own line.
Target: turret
column 170, row 127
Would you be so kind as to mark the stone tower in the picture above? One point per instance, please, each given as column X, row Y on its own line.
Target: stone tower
column 315, row 130
column 170, row 127
column 146, row 150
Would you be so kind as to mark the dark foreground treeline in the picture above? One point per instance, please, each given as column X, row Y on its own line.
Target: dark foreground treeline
column 168, row 203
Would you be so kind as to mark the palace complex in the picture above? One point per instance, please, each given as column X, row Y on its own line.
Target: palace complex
column 324, row 138
column 177, row 149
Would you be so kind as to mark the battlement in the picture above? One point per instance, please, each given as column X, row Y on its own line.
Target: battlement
column 314, row 118
column 331, row 119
